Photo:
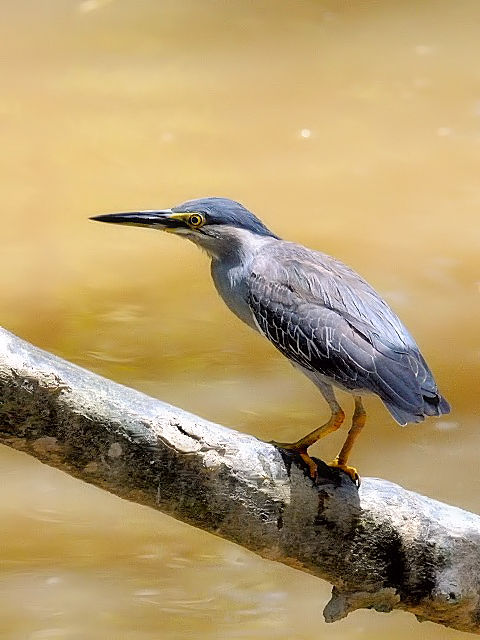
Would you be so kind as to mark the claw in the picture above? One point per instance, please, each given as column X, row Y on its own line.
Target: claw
column 300, row 451
column 350, row 471
column 311, row 464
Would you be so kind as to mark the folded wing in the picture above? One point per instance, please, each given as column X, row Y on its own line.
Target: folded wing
column 323, row 316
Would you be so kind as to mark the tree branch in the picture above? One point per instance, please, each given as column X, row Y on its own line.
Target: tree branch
column 382, row 547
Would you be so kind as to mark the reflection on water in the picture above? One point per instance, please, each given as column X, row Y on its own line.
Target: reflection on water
column 354, row 128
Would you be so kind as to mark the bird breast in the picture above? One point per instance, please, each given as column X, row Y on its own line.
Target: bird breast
column 230, row 279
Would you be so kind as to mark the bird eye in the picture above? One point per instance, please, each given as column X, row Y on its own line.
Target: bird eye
column 196, row 220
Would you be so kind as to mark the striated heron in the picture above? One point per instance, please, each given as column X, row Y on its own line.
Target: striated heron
column 320, row 314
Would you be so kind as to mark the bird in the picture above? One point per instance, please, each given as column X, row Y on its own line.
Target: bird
column 317, row 312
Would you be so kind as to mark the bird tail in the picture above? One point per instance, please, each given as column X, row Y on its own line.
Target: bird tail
column 434, row 405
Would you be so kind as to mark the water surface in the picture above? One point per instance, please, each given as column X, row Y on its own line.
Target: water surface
column 351, row 127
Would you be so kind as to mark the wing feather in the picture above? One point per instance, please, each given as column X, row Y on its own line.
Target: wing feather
column 326, row 318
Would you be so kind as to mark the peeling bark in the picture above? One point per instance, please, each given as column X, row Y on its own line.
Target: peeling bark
column 382, row 547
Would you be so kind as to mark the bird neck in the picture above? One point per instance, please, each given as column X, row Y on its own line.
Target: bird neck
column 233, row 245
column 230, row 271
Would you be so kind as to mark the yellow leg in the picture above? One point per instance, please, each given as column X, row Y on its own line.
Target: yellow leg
column 304, row 443
column 333, row 424
column 358, row 422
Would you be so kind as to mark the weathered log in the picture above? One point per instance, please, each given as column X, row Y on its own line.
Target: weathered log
column 382, row 547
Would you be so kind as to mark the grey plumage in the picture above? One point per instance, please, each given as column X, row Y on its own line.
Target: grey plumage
column 323, row 316
column 225, row 212
column 315, row 310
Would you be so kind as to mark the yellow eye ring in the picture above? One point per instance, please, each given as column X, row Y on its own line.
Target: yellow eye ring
column 196, row 220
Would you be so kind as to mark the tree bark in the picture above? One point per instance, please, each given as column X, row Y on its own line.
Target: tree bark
column 381, row 546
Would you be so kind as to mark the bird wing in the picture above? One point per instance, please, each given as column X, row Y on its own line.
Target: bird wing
column 323, row 316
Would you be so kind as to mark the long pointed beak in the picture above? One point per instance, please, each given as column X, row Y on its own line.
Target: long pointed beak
column 164, row 219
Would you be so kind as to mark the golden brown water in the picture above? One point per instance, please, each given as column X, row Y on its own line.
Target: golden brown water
column 352, row 127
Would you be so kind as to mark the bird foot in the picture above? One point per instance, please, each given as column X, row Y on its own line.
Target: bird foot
column 301, row 451
column 289, row 446
column 350, row 471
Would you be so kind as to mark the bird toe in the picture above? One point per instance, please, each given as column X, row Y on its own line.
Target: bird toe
column 351, row 472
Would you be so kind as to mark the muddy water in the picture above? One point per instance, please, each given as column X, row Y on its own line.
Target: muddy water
column 352, row 127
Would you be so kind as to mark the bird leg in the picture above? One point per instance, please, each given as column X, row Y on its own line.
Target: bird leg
column 358, row 422
column 300, row 447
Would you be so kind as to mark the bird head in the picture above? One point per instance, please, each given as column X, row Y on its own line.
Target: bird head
column 216, row 225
